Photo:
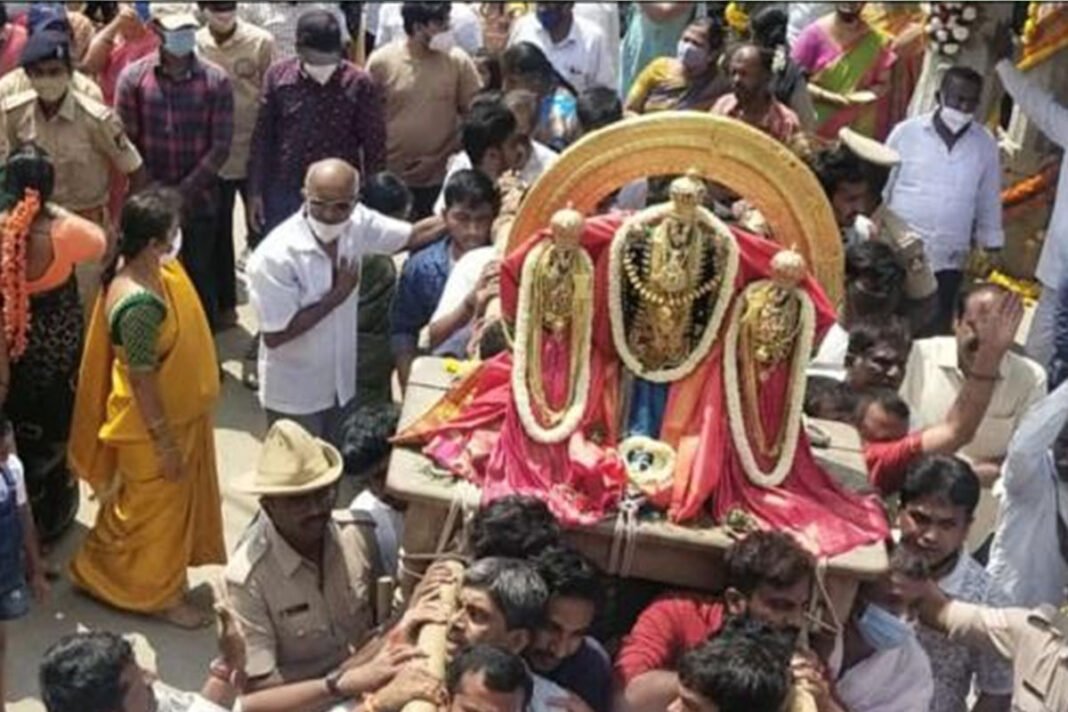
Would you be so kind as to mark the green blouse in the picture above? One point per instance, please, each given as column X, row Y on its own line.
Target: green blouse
column 134, row 324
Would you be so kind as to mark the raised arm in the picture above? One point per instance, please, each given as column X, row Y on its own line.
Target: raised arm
column 996, row 331
column 1038, row 104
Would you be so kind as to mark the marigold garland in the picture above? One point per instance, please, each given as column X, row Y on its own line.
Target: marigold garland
column 13, row 288
column 1030, row 187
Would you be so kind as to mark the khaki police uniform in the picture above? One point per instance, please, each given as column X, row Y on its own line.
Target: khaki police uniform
column 85, row 139
column 294, row 623
column 17, row 81
column 1036, row 641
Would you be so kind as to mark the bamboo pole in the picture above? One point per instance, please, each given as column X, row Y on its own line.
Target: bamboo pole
column 432, row 637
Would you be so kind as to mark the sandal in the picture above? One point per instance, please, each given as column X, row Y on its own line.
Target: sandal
column 249, row 371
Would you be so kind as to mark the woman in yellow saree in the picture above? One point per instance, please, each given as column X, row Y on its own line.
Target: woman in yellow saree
column 142, row 436
column 848, row 65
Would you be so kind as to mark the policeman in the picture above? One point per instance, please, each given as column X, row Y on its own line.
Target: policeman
column 1035, row 640
column 84, row 137
column 303, row 576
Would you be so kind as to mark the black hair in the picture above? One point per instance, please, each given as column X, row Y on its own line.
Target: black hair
column 492, row 63
column 746, row 667
column 502, row 671
column 836, row 166
column 387, row 194
column 146, row 217
column 887, row 398
column 966, row 295
column 768, row 26
column 82, row 673
column 713, row 26
column 423, row 13
column 945, row 477
column 516, row 526
column 487, row 125
column 867, row 334
column 876, row 261
column 963, row 74
column 569, row 574
column 527, row 59
column 472, row 188
column 515, row 588
column 829, row 398
column 492, row 340
column 29, row 167
column 5, row 424
column 598, row 107
column 766, row 558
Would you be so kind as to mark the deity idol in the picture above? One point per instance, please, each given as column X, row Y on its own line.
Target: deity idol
column 679, row 367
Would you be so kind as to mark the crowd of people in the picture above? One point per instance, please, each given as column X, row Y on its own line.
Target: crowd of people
column 380, row 152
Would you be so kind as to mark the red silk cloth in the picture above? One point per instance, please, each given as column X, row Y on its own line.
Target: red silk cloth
column 475, row 431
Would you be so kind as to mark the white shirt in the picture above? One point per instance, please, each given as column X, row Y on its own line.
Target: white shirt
column 541, row 157
column 894, row 680
column 545, row 691
column 933, row 380
column 18, row 474
column 290, row 271
column 169, row 699
column 1052, row 119
column 280, row 19
column 389, row 527
column 604, row 15
column 462, row 279
column 950, row 198
column 463, row 21
column 830, row 358
column 1025, row 559
column 581, row 58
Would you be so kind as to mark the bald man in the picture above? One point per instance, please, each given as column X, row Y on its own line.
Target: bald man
column 303, row 284
column 752, row 101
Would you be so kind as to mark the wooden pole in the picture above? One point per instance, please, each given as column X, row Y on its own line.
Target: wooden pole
column 432, row 637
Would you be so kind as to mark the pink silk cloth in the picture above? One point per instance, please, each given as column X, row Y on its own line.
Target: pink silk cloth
column 475, row 431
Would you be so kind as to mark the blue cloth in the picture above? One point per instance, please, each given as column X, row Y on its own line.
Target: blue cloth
column 16, row 603
column 421, row 283
column 646, row 40
column 12, row 574
column 588, row 674
column 1059, row 362
column 647, row 403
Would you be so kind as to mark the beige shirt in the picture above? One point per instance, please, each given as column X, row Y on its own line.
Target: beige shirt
column 425, row 98
column 85, row 139
column 933, row 380
column 16, row 82
column 244, row 56
column 1035, row 642
column 294, row 625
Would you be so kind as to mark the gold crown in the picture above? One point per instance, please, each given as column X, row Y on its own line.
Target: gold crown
column 788, row 268
column 566, row 225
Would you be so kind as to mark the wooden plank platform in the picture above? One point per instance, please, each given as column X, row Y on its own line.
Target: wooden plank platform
column 682, row 556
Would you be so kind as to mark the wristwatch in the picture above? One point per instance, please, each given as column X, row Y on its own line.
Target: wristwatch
column 331, row 681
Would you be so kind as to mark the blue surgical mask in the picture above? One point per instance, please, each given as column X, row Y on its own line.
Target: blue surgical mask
column 881, row 629
column 181, row 42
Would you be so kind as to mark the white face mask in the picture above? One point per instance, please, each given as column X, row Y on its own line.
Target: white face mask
column 954, row 119
column 442, row 41
column 325, row 232
column 175, row 249
column 320, row 72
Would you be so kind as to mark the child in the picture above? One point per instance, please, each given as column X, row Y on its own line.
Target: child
column 882, row 416
column 830, row 399
column 20, row 559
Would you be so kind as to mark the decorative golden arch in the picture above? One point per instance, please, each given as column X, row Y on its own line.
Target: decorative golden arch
column 747, row 161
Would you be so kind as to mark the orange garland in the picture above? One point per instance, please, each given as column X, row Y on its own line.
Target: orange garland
column 1030, row 187
column 13, row 289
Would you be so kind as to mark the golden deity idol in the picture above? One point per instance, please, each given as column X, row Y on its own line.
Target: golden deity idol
column 672, row 270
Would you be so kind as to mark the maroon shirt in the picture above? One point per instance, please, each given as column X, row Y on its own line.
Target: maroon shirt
column 301, row 122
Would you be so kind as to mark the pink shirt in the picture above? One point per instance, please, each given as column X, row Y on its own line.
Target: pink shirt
column 14, row 41
column 125, row 52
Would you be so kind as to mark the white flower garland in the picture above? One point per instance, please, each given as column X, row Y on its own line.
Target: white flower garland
column 949, row 26
column 615, row 298
column 795, row 396
column 577, row 408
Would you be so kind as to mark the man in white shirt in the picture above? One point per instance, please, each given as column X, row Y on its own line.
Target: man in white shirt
column 502, row 603
column 934, row 376
column 576, row 48
column 938, row 502
column 303, row 281
column 1029, row 557
column 1051, row 117
column 948, row 185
